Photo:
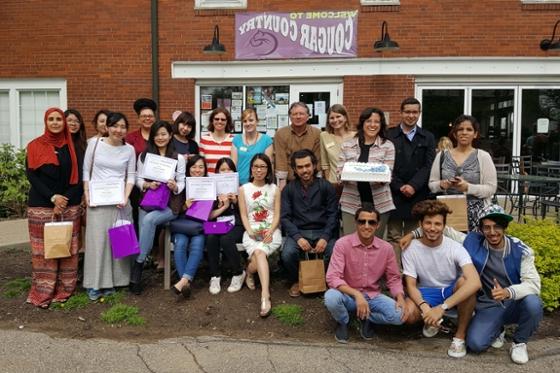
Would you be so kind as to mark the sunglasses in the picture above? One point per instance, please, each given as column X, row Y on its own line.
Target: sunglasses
column 364, row 221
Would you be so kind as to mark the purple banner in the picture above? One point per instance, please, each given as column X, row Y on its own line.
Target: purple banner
column 324, row 34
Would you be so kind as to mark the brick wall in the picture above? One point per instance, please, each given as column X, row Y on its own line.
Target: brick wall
column 102, row 48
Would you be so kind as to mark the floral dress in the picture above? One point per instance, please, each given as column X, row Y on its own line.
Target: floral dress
column 260, row 210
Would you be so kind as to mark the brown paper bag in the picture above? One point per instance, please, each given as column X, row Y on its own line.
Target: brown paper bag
column 57, row 239
column 458, row 204
column 312, row 275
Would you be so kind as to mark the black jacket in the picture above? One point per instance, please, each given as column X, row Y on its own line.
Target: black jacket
column 413, row 162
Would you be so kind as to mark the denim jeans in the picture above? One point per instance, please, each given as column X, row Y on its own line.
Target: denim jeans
column 487, row 323
column 187, row 260
column 291, row 252
column 383, row 310
column 148, row 223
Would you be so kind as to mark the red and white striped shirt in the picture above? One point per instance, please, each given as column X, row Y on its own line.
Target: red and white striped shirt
column 212, row 150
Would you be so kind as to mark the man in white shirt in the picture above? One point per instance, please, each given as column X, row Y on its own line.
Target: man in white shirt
column 439, row 275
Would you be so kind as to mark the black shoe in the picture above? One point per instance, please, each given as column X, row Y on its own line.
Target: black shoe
column 341, row 333
column 366, row 330
column 186, row 291
column 135, row 286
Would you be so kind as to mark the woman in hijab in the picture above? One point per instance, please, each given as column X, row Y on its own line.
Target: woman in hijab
column 55, row 193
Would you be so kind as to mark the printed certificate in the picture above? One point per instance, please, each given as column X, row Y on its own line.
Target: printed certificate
column 201, row 188
column 158, row 168
column 226, row 182
column 106, row 192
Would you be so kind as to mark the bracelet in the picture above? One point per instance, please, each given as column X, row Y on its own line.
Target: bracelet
column 421, row 303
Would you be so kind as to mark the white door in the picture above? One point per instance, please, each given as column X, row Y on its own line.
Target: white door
column 318, row 97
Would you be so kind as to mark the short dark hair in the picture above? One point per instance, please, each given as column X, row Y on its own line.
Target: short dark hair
column 502, row 222
column 229, row 122
column 300, row 154
column 96, row 117
column 114, row 117
column 430, row 208
column 459, row 120
column 269, row 178
column 192, row 160
column 410, row 101
column 229, row 162
column 366, row 113
column 366, row 207
column 151, row 146
column 300, row 104
column 187, row 118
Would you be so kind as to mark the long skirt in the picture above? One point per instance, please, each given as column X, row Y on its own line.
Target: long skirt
column 101, row 271
column 51, row 279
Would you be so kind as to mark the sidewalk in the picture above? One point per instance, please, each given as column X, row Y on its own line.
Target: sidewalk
column 14, row 233
column 22, row 351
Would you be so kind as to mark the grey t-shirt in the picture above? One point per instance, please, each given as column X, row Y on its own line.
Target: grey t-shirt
column 435, row 267
column 494, row 269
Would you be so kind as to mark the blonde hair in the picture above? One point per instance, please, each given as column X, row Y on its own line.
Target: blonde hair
column 248, row 112
column 339, row 109
column 444, row 143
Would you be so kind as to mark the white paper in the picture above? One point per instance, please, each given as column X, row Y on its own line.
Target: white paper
column 226, row 183
column 272, row 122
column 310, row 107
column 261, row 111
column 320, row 107
column 282, row 109
column 542, row 125
column 237, row 95
column 204, row 121
column 200, row 188
column 106, row 192
column 159, row 168
column 322, row 120
column 282, row 121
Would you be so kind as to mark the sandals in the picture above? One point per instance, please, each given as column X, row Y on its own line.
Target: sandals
column 266, row 307
column 250, row 281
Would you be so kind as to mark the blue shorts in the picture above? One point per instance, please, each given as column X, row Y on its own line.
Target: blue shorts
column 436, row 296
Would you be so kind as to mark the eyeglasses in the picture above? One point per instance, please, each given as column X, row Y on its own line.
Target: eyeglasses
column 364, row 221
column 259, row 167
column 220, row 119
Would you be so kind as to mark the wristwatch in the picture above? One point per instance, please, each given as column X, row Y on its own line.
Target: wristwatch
column 444, row 306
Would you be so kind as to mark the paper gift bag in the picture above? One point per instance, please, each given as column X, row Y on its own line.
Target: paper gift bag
column 458, row 219
column 123, row 239
column 156, row 199
column 200, row 210
column 312, row 275
column 217, row 227
column 57, row 238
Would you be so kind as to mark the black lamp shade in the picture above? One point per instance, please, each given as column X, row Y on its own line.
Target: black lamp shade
column 216, row 47
column 551, row 44
column 385, row 44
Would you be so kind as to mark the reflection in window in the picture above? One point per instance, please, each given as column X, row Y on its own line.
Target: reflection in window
column 271, row 105
column 228, row 97
column 5, row 130
column 32, row 107
column 440, row 107
column 540, row 121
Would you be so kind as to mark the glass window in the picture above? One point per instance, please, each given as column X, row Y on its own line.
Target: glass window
column 271, row 105
column 540, row 124
column 32, row 107
column 439, row 108
column 5, row 131
column 229, row 97
column 220, row 4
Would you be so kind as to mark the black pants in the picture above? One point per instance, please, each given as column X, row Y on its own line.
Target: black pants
column 226, row 242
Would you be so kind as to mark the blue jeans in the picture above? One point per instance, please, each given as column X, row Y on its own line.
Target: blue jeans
column 187, row 263
column 148, row 223
column 291, row 252
column 382, row 309
column 487, row 323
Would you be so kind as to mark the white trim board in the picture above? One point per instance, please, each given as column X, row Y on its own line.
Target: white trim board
column 438, row 66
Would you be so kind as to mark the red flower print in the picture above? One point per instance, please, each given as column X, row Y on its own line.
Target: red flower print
column 260, row 215
column 257, row 194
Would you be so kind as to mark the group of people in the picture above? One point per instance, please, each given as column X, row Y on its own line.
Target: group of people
column 290, row 186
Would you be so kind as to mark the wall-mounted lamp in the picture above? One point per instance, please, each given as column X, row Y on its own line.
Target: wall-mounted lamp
column 385, row 44
column 215, row 47
column 549, row 44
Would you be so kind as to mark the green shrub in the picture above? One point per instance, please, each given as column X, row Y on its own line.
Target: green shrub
column 122, row 313
column 75, row 302
column 289, row 314
column 543, row 236
column 16, row 287
column 13, row 182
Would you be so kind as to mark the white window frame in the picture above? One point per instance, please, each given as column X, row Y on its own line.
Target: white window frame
column 15, row 86
column 540, row 1
column 379, row 2
column 220, row 4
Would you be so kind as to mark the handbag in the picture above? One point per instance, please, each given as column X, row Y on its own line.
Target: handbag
column 186, row 226
column 312, row 275
column 200, row 210
column 217, row 227
column 123, row 239
column 156, row 199
column 57, row 239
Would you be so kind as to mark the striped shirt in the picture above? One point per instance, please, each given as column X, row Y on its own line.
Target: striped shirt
column 212, row 150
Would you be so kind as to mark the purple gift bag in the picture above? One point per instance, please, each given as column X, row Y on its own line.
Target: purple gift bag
column 156, row 199
column 217, row 227
column 123, row 241
column 200, row 210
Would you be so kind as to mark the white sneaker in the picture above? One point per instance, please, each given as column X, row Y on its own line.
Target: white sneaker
column 429, row 331
column 458, row 348
column 500, row 340
column 215, row 285
column 518, row 353
column 236, row 283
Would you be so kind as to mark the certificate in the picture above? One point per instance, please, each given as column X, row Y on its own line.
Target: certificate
column 158, row 168
column 226, row 183
column 106, row 192
column 201, row 188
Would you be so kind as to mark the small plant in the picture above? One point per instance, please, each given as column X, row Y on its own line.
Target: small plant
column 122, row 313
column 75, row 302
column 16, row 287
column 289, row 314
column 115, row 298
column 13, row 182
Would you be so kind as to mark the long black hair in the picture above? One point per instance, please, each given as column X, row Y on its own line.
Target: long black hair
column 79, row 137
column 229, row 162
column 269, row 178
column 192, row 160
column 366, row 113
column 151, row 147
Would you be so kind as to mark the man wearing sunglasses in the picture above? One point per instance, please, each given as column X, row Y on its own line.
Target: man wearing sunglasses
column 358, row 263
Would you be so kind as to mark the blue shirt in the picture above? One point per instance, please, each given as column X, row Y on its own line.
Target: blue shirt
column 246, row 152
column 409, row 135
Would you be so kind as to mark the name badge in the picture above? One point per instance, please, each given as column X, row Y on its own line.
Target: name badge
column 243, row 148
column 330, row 144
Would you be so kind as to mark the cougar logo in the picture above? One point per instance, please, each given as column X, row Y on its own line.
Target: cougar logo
column 263, row 43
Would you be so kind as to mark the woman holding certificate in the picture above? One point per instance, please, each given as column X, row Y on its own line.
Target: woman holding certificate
column 217, row 143
column 56, row 193
column 259, row 206
column 158, row 180
column 109, row 176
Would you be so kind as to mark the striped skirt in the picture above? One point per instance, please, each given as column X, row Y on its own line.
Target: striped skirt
column 51, row 279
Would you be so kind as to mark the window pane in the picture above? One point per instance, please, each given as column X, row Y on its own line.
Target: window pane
column 540, row 119
column 4, row 117
column 229, row 97
column 271, row 105
column 32, row 107
column 494, row 110
column 439, row 108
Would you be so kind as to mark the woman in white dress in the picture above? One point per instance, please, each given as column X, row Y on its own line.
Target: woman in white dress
column 259, row 205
